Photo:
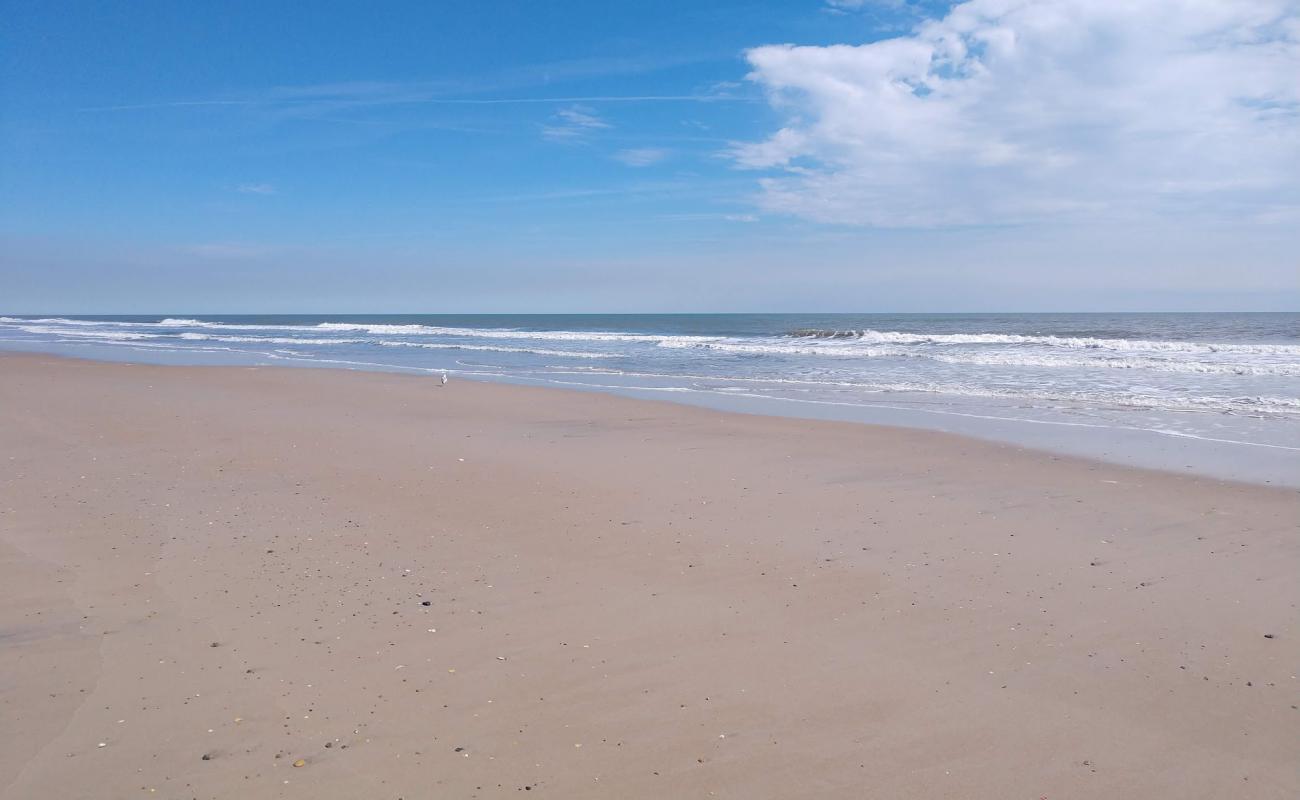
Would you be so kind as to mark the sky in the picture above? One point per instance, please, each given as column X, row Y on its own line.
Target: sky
column 808, row 155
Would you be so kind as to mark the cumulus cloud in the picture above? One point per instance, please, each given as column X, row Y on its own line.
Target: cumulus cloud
column 573, row 123
column 1006, row 111
column 641, row 156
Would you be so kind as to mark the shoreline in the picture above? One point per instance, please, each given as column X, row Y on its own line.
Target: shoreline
column 624, row 598
column 1258, row 463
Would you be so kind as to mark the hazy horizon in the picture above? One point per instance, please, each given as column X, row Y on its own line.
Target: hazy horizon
column 793, row 313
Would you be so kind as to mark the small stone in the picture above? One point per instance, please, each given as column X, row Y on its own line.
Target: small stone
column 426, row 602
column 1268, row 636
column 329, row 744
column 207, row 756
column 215, row 644
column 300, row 763
column 459, row 750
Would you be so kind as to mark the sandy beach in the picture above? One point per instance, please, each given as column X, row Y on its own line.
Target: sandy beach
column 254, row 582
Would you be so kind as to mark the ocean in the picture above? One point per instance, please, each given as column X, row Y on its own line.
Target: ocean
column 1212, row 393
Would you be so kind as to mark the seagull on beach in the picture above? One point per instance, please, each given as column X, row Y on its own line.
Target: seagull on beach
column 444, row 379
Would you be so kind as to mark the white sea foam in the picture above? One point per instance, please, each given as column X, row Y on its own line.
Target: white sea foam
column 497, row 349
column 1084, row 398
column 1071, row 342
column 210, row 337
column 1175, row 361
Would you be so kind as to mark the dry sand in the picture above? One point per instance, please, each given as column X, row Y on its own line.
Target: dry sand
column 211, row 575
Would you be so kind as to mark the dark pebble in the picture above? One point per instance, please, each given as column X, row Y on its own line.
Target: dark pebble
column 1268, row 636
column 426, row 602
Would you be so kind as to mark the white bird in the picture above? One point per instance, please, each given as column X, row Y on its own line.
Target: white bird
column 444, row 379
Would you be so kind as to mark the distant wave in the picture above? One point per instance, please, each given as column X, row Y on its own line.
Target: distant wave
column 111, row 335
column 62, row 321
column 376, row 329
column 499, row 349
column 390, row 343
column 190, row 336
column 493, row 333
column 208, row 337
column 816, row 341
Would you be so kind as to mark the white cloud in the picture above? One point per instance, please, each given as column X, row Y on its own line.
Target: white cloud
column 255, row 188
column 1008, row 111
column 573, row 123
column 641, row 156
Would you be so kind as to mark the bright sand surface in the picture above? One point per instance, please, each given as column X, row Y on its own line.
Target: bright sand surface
column 211, row 575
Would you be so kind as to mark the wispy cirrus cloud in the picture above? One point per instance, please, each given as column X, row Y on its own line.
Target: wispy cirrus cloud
column 319, row 101
column 255, row 188
column 323, row 98
column 575, row 123
column 1008, row 112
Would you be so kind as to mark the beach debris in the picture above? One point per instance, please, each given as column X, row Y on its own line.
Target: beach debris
column 426, row 602
column 207, row 756
column 1268, row 636
column 215, row 644
column 300, row 763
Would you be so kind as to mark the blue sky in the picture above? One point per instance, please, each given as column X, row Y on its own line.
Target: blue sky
column 674, row 156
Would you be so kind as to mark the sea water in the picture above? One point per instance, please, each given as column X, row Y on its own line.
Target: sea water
column 1216, row 394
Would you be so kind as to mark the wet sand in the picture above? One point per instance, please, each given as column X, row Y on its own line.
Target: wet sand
column 239, row 582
